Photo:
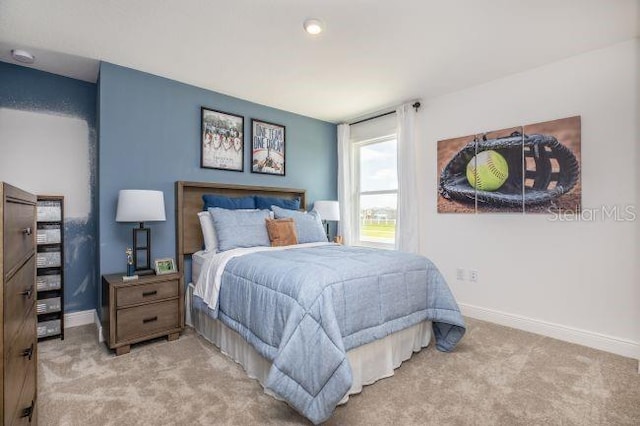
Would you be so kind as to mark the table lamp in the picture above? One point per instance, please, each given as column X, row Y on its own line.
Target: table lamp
column 136, row 205
column 328, row 211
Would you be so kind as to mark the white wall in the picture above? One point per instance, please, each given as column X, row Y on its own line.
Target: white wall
column 637, row 89
column 57, row 150
column 575, row 281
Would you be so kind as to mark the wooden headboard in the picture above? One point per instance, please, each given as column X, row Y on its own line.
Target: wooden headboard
column 189, row 203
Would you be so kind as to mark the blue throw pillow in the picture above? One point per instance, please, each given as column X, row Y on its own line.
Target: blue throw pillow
column 265, row 203
column 229, row 203
column 240, row 228
column 308, row 225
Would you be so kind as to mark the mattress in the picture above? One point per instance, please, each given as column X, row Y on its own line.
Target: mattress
column 369, row 363
column 197, row 259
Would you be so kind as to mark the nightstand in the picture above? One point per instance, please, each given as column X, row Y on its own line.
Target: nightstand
column 133, row 311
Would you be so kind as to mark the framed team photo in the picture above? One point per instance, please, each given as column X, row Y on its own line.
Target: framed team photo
column 268, row 142
column 222, row 140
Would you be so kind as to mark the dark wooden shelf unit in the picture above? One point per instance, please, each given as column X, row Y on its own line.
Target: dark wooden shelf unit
column 50, row 266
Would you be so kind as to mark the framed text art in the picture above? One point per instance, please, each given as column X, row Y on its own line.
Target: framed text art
column 222, row 140
column 267, row 148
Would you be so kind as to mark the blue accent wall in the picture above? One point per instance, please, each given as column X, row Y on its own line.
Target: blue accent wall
column 26, row 89
column 149, row 137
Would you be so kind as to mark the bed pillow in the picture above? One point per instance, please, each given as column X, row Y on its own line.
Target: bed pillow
column 229, row 203
column 282, row 232
column 308, row 225
column 208, row 232
column 240, row 228
column 266, row 203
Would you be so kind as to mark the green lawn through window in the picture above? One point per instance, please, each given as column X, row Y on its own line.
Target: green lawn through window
column 380, row 232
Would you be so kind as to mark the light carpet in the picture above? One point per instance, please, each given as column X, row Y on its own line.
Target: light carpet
column 496, row 376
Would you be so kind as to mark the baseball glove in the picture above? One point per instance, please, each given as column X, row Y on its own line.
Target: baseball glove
column 547, row 183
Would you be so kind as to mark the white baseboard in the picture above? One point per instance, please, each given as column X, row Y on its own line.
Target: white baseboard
column 98, row 323
column 616, row 345
column 77, row 319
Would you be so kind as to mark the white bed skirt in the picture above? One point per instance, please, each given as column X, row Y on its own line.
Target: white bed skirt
column 369, row 363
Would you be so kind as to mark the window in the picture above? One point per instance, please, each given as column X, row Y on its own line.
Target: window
column 376, row 180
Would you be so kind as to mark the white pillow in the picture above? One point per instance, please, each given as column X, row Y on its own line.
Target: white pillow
column 208, row 232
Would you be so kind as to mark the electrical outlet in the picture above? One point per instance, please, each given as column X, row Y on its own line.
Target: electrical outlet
column 460, row 274
column 473, row 275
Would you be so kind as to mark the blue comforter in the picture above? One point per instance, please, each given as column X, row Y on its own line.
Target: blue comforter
column 304, row 308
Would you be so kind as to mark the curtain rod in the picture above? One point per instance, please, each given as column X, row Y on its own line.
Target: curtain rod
column 416, row 105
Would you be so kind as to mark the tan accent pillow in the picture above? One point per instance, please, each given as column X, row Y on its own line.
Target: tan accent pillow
column 282, row 232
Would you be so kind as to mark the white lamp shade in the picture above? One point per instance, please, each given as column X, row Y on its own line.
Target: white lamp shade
column 328, row 210
column 137, row 205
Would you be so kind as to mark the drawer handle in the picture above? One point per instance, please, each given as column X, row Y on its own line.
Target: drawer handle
column 27, row 293
column 28, row 412
column 146, row 320
column 27, row 230
column 28, row 352
column 149, row 293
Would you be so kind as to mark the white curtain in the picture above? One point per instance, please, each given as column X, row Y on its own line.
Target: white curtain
column 407, row 232
column 345, row 183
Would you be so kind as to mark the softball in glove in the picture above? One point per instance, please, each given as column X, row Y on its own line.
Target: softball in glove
column 544, row 181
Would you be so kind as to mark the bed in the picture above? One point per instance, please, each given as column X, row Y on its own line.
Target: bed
column 312, row 336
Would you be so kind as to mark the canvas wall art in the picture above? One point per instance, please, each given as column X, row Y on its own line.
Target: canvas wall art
column 533, row 169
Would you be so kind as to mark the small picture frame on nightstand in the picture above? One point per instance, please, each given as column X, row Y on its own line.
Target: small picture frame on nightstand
column 165, row 266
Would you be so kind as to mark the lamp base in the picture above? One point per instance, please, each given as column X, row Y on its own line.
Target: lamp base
column 142, row 253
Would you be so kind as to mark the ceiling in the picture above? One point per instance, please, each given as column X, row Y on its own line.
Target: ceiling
column 374, row 54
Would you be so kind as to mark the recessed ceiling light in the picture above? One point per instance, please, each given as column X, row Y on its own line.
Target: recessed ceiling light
column 22, row 56
column 313, row 26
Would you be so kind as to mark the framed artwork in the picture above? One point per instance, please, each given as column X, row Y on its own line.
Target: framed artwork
column 267, row 148
column 534, row 168
column 222, row 140
column 165, row 266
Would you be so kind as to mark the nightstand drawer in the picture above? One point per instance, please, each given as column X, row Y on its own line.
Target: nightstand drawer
column 135, row 294
column 147, row 319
